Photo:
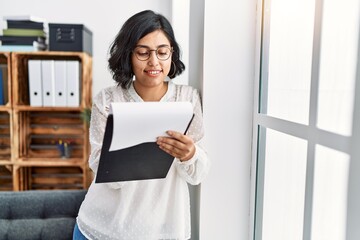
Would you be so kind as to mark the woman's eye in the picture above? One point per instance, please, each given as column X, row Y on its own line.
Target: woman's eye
column 143, row 53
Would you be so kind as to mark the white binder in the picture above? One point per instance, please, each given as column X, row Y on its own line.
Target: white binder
column 47, row 70
column 60, row 83
column 35, row 83
column 73, row 83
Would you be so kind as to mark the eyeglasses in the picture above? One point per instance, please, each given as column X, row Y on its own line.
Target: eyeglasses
column 143, row 53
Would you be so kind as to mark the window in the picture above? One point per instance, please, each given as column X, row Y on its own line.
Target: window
column 304, row 118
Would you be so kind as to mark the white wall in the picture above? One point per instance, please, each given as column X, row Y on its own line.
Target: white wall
column 229, row 43
column 103, row 18
column 180, row 20
column 353, row 211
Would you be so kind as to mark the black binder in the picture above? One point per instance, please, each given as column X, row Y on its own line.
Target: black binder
column 139, row 162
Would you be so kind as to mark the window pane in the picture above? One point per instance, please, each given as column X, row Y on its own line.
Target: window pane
column 286, row 94
column 284, row 186
column 340, row 31
column 330, row 191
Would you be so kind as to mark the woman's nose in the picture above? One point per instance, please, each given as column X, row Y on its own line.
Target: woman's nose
column 153, row 60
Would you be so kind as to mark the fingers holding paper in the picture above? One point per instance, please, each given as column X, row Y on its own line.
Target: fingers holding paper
column 178, row 145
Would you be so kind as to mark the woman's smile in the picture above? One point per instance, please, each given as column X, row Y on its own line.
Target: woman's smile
column 153, row 73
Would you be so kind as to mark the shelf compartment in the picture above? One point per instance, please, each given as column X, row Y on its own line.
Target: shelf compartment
column 5, row 136
column 48, row 178
column 44, row 132
column 5, row 71
column 20, row 72
column 6, row 178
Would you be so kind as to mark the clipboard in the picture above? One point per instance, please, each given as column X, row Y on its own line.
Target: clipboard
column 140, row 162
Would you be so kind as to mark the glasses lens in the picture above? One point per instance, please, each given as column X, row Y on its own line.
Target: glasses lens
column 163, row 53
column 142, row 53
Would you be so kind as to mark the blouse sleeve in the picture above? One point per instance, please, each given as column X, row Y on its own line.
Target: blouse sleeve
column 98, row 120
column 97, row 128
column 194, row 170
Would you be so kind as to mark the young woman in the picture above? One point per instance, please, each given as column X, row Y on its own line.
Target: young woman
column 142, row 56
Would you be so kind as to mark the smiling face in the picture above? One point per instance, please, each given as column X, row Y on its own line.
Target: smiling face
column 151, row 72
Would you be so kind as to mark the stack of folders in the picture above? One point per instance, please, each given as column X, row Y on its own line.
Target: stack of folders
column 3, row 84
column 24, row 33
column 54, row 83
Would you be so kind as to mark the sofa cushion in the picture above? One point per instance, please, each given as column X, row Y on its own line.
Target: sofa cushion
column 39, row 214
column 31, row 229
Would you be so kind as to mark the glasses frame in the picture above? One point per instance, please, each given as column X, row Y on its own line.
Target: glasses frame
column 152, row 50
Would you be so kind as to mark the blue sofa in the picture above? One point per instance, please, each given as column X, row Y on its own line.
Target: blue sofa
column 46, row 214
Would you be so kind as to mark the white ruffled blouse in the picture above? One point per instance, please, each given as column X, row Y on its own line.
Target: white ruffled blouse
column 147, row 209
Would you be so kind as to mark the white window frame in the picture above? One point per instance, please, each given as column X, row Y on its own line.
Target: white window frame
column 310, row 133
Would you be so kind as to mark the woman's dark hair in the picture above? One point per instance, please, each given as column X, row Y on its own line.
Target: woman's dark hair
column 135, row 28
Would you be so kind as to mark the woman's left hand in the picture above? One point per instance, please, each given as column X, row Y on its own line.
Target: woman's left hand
column 177, row 145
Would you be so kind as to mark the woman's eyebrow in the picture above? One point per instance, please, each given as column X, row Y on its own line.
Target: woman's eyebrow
column 145, row 46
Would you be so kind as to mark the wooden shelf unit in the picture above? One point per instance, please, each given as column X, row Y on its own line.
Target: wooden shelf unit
column 33, row 160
